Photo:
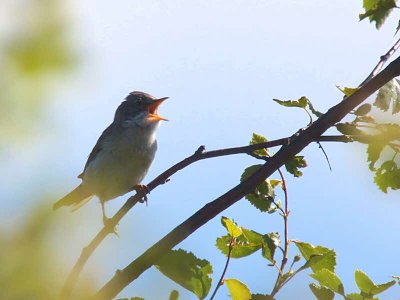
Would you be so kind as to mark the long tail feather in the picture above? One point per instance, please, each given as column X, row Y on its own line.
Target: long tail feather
column 78, row 197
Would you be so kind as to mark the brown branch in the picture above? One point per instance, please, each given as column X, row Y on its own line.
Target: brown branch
column 200, row 154
column 335, row 114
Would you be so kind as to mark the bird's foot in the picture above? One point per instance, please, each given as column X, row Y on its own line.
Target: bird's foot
column 142, row 190
column 110, row 226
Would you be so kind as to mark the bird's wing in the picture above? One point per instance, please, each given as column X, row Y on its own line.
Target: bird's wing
column 97, row 148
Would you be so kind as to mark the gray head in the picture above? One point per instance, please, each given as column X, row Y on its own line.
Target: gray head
column 139, row 108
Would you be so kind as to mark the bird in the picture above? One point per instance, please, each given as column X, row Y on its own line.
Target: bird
column 122, row 155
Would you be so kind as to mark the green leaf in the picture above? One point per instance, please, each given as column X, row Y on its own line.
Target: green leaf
column 263, row 195
column 302, row 102
column 365, row 119
column 293, row 165
column 347, row 91
column 246, row 244
column 237, row 289
column 348, row 129
column 377, row 10
column 368, row 287
column 364, row 283
column 387, row 176
column 187, row 270
column 387, row 95
column 355, row 296
column 271, row 242
column 232, row 228
column 326, row 259
column 374, row 151
column 313, row 110
column 363, row 109
column 132, row 298
column 329, row 279
column 257, row 139
column 174, row 295
column 321, row 292
column 261, row 297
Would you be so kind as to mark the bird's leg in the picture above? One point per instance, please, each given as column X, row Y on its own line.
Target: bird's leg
column 142, row 190
column 107, row 221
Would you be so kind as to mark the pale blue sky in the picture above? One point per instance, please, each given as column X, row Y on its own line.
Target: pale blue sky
column 221, row 63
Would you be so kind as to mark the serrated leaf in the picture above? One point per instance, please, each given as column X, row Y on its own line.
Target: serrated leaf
column 387, row 176
column 263, row 195
column 321, row 292
column 377, row 10
column 326, row 261
column 237, row 290
column 302, row 102
column 293, row 165
column 347, row 91
column 187, row 270
column 348, row 129
column 257, row 139
column 374, row 151
column 232, row 228
column 261, row 297
column 271, row 241
column 246, row 244
column 330, row 280
column 365, row 119
column 363, row 109
column 387, row 95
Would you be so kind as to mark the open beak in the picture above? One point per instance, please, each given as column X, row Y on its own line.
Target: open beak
column 153, row 109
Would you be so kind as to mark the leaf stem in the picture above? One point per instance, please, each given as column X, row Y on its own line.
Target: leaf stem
column 220, row 282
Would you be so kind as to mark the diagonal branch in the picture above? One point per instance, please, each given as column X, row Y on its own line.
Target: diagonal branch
column 123, row 277
column 200, row 154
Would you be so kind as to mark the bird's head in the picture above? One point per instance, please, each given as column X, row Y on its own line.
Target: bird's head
column 139, row 108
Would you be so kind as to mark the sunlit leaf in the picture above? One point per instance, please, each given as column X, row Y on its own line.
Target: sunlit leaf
column 293, row 165
column 387, row 176
column 256, row 139
column 271, row 241
column 263, row 195
column 302, row 102
column 246, row 244
column 237, row 290
column 388, row 95
column 368, row 287
column 327, row 259
column 377, row 10
column 347, row 91
column 232, row 228
column 187, row 270
column 321, row 292
column 330, row 280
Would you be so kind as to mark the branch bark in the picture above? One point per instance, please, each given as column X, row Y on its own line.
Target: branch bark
column 200, row 154
column 123, row 277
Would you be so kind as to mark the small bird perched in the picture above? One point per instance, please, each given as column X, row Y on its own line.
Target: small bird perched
column 122, row 155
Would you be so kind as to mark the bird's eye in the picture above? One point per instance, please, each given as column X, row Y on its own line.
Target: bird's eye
column 140, row 100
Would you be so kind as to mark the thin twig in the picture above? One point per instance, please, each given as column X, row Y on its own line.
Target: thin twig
column 383, row 59
column 220, row 281
column 199, row 154
column 335, row 114
column 285, row 216
column 326, row 156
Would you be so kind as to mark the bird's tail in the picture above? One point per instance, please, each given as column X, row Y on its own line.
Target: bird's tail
column 78, row 197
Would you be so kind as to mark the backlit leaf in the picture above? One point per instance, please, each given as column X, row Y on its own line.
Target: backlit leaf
column 237, row 290
column 187, row 270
